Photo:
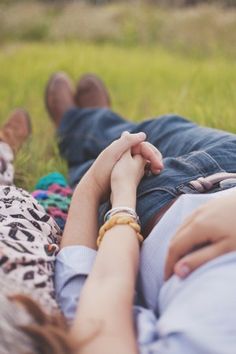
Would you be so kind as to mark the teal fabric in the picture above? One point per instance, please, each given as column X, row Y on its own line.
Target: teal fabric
column 51, row 178
column 54, row 194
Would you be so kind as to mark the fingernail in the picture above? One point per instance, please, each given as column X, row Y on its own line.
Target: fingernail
column 125, row 133
column 142, row 135
column 182, row 270
column 156, row 172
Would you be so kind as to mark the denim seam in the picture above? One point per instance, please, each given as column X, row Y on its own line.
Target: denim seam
column 214, row 161
column 163, row 189
column 200, row 165
column 87, row 137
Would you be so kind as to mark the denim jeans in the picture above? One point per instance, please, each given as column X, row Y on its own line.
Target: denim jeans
column 189, row 150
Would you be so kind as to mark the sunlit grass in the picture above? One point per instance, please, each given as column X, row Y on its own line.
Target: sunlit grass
column 143, row 83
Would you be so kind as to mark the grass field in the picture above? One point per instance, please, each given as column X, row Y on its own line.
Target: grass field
column 144, row 82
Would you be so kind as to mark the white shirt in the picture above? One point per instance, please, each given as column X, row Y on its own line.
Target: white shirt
column 169, row 302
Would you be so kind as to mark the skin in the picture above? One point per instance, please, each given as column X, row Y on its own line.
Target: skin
column 96, row 184
column 104, row 322
column 208, row 233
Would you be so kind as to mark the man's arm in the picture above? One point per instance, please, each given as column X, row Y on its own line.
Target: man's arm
column 82, row 226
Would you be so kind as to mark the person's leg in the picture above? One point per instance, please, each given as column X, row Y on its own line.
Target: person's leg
column 13, row 134
column 204, row 167
column 189, row 151
column 176, row 136
column 29, row 237
column 6, row 164
column 91, row 130
column 85, row 132
column 82, row 132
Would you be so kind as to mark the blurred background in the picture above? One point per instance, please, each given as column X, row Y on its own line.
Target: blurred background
column 156, row 57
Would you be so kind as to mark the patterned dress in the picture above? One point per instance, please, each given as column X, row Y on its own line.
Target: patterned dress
column 29, row 240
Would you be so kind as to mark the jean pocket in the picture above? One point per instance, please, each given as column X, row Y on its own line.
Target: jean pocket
column 206, row 174
column 178, row 172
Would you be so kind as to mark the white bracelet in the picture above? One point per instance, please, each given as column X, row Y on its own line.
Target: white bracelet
column 121, row 210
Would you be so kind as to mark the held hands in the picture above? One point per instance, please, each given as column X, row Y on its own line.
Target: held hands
column 128, row 171
column 99, row 175
column 125, row 178
column 208, row 233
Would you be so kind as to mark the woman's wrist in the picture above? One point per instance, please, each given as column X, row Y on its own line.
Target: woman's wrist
column 124, row 196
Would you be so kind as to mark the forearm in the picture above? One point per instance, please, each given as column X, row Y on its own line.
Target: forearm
column 119, row 250
column 106, row 317
column 82, row 226
column 117, row 260
column 112, row 280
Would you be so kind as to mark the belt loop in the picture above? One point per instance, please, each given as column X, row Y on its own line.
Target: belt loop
column 203, row 184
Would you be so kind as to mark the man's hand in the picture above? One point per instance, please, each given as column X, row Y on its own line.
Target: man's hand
column 208, row 233
column 151, row 154
column 100, row 172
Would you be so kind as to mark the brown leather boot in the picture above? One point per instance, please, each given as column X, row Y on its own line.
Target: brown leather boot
column 91, row 93
column 16, row 130
column 59, row 96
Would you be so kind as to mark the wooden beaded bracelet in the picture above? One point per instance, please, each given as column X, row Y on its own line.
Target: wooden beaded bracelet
column 119, row 220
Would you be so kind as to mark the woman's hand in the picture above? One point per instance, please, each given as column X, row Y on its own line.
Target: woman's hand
column 208, row 233
column 100, row 172
column 114, row 273
column 125, row 178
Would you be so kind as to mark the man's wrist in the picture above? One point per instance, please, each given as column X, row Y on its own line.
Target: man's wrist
column 87, row 183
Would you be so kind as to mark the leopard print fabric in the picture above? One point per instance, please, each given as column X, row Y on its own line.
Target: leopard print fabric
column 29, row 240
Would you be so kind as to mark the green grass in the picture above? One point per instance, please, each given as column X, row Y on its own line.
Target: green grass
column 144, row 82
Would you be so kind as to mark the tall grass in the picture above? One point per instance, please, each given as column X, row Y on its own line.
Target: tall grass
column 204, row 30
column 143, row 83
column 153, row 60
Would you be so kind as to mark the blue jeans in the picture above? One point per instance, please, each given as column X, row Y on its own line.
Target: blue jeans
column 190, row 151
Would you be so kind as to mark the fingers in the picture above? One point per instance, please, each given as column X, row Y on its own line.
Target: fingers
column 153, row 155
column 150, row 153
column 196, row 259
column 188, row 238
column 131, row 138
column 136, row 143
column 125, row 133
column 205, row 235
column 126, row 141
column 140, row 162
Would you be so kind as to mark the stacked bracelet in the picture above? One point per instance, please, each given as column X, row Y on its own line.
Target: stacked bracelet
column 122, row 210
column 119, row 220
